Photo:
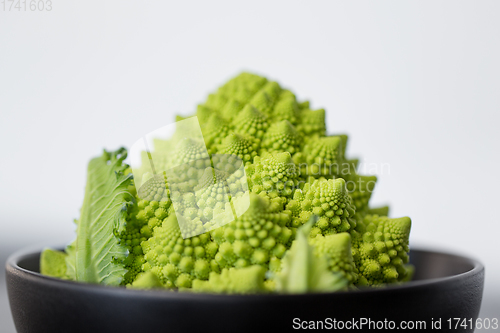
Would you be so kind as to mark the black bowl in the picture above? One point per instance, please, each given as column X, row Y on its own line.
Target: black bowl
column 445, row 286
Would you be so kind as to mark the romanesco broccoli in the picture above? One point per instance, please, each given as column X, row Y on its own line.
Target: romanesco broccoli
column 257, row 138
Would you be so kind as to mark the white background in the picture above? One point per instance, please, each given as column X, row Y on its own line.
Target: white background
column 415, row 84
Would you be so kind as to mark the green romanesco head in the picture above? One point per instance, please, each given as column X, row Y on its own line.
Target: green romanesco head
column 263, row 168
column 293, row 171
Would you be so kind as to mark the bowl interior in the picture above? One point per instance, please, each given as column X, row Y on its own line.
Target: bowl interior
column 30, row 262
column 433, row 265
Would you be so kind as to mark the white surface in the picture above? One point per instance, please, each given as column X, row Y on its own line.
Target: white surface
column 415, row 84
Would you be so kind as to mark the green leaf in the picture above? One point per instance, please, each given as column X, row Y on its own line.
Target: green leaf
column 96, row 256
column 302, row 271
column 53, row 263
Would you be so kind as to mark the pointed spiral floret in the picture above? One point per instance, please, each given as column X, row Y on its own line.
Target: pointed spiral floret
column 259, row 236
column 274, row 175
column 245, row 147
column 380, row 248
column 177, row 261
column 282, row 136
column 250, row 122
column 337, row 250
column 330, row 201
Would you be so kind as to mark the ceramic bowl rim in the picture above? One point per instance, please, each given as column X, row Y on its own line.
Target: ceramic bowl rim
column 12, row 266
